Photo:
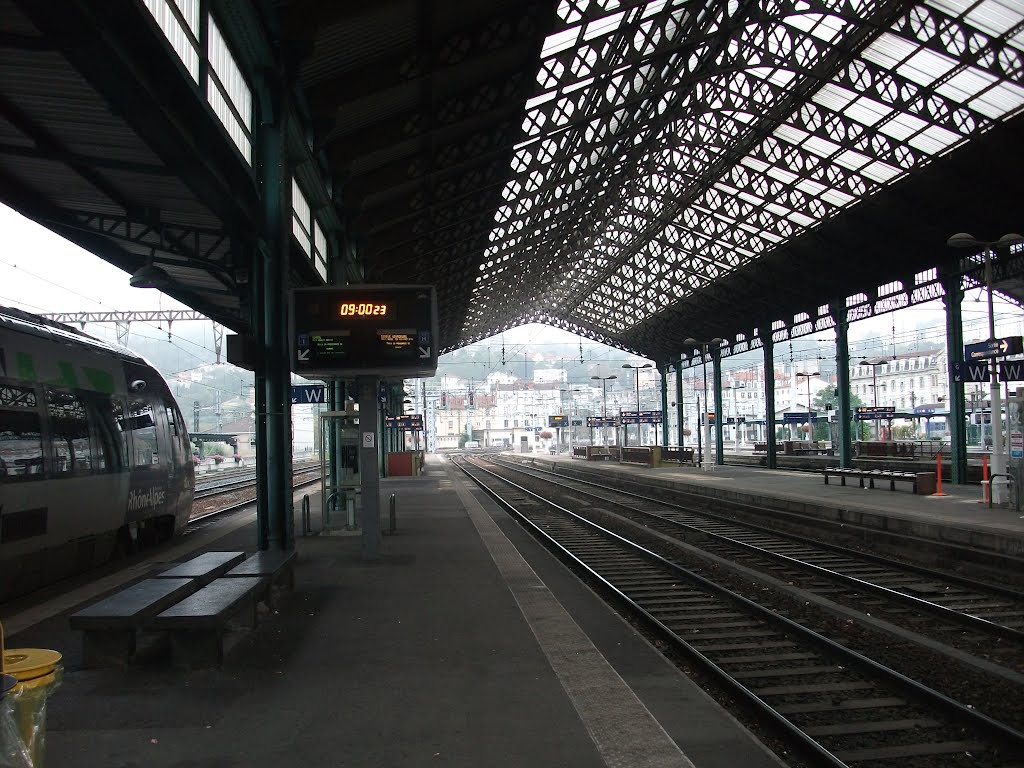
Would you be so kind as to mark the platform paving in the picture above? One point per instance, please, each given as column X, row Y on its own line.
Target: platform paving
column 464, row 644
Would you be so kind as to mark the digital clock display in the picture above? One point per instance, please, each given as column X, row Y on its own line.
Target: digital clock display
column 362, row 309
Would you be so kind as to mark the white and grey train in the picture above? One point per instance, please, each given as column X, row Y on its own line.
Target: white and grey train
column 94, row 454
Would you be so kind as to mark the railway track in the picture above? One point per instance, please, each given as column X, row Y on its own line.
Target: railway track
column 840, row 707
column 986, row 610
column 238, row 488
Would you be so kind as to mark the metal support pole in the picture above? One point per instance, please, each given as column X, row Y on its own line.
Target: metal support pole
column 716, row 360
column 768, row 348
column 369, row 466
column 273, row 261
column 664, row 407
column 679, row 402
column 953, row 298
column 843, row 411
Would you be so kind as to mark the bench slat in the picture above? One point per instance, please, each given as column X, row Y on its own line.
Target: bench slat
column 208, row 565
column 130, row 606
column 211, row 606
column 264, row 563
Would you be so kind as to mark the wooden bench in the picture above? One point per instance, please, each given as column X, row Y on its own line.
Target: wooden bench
column 871, row 475
column 109, row 626
column 277, row 566
column 760, row 447
column 198, row 623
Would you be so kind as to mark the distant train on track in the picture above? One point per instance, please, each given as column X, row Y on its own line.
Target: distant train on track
column 94, row 454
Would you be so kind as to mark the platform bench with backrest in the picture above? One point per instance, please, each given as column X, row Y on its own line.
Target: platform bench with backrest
column 277, row 566
column 881, row 475
column 110, row 625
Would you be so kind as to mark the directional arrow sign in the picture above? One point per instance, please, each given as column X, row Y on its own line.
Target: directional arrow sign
column 425, row 352
column 302, row 355
column 1011, row 345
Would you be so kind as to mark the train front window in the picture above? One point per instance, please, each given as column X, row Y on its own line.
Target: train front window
column 69, row 427
column 21, row 437
column 143, row 430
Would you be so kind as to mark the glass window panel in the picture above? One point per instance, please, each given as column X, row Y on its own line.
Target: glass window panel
column 228, row 92
column 21, row 443
column 143, row 431
column 184, row 43
column 69, row 429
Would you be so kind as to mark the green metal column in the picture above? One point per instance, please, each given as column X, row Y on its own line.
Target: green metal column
column 768, row 347
column 258, row 323
column 275, row 183
column 679, row 401
column 953, row 287
column 716, row 367
column 844, row 415
column 664, row 404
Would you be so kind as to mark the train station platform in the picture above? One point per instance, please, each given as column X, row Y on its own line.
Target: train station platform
column 464, row 644
column 959, row 516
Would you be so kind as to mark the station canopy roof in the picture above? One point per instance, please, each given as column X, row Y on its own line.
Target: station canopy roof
column 644, row 172
column 639, row 172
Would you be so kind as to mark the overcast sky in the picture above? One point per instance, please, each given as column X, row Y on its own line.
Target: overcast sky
column 41, row 272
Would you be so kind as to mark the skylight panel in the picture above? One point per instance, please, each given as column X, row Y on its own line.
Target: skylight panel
column 852, row 160
column 604, row 26
column 802, row 219
column 820, row 147
column 823, row 27
column 791, row 134
column 963, row 86
column 833, row 97
column 902, row 126
column 536, row 101
column 867, row 111
column 925, row 67
column 560, row 41
column 786, row 177
column 889, row 50
column 996, row 16
column 934, row 139
column 754, row 164
column 999, row 100
column 880, row 172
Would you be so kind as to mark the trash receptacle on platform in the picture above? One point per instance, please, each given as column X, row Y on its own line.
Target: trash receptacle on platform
column 37, row 673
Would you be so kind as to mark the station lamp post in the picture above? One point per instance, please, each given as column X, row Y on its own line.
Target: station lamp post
column 807, row 376
column 874, row 363
column 964, row 240
column 705, row 427
column 636, row 368
column 604, row 401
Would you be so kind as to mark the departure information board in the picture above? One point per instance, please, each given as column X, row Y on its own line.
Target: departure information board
column 363, row 330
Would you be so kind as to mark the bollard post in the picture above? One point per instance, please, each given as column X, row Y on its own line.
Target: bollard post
column 985, row 484
column 392, row 524
column 307, row 526
column 938, row 475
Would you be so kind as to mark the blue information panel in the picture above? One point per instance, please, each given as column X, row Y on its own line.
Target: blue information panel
column 363, row 330
column 1011, row 345
column 303, row 394
column 602, row 421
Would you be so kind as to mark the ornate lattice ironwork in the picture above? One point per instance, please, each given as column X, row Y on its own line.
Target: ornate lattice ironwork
column 671, row 144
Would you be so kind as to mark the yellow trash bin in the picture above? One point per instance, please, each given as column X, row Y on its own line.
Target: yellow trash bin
column 38, row 672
